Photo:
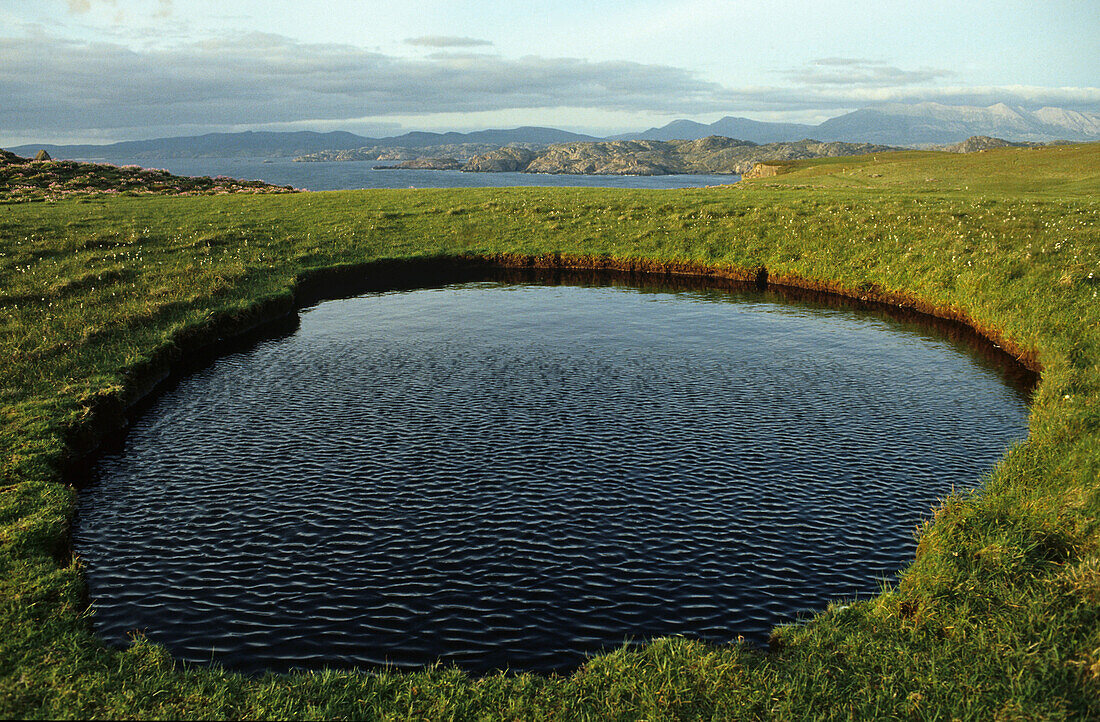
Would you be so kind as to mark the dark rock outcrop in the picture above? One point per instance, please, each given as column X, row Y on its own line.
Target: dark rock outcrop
column 7, row 157
column 423, row 164
column 978, row 143
column 501, row 160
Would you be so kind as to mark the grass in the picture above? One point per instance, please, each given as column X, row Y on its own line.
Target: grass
column 998, row 617
column 23, row 181
column 1061, row 171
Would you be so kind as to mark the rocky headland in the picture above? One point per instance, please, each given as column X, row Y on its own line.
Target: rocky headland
column 423, row 164
column 461, row 151
column 711, row 155
column 44, row 179
column 978, row 143
column 501, row 160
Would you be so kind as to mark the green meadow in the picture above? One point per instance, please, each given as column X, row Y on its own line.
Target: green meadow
column 997, row 617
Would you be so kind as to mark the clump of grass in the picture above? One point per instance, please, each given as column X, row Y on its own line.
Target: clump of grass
column 997, row 617
column 43, row 179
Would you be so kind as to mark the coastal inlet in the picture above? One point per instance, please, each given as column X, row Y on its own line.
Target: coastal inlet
column 516, row 476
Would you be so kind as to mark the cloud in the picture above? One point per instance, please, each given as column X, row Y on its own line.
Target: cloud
column 836, row 97
column 53, row 86
column 446, row 41
column 50, row 83
column 862, row 72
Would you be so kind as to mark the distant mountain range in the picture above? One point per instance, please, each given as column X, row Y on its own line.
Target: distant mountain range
column 267, row 144
column 934, row 123
column 728, row 127
column 907, row 125
column 899, row 125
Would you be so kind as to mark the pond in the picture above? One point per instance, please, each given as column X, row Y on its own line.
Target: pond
column 518, row 474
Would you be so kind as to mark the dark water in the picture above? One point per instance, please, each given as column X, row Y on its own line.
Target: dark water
column 521, row 475
column 347, row 175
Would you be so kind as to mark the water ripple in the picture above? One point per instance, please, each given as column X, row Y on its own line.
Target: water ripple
column 519, row 476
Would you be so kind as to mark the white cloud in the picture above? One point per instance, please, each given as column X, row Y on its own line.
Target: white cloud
column 54, row 86
column 1026, row 96
column 51, row 83
column 446, row 41
column 862, row 72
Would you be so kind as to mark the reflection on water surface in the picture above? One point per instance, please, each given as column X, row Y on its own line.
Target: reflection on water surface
column 518, row 475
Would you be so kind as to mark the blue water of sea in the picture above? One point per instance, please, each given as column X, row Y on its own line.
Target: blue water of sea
column 347, row 175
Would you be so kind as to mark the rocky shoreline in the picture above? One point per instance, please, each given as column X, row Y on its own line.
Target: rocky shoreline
column 714, row 155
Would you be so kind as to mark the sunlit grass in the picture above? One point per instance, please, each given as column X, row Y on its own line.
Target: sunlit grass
column 26, row 181
column 999, row 616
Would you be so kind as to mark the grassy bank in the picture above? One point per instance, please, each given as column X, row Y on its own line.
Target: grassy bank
column 30, row 181
column 998, row 617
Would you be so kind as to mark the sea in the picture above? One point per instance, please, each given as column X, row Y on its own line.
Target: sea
column 349, row 175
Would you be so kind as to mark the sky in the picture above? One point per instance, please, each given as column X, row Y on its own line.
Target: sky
column 106, row 70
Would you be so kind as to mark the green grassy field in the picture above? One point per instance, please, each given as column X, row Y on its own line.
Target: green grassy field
column 998, row 617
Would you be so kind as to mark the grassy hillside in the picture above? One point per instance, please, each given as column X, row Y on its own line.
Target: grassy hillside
column 997, row 618
column 1041, row 172
column 24, row 180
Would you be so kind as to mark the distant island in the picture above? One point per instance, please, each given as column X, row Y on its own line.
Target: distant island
column 45, row 178
column 978, row 143
column 424, row 164
column 401, row 154
column 713, row 155
column 919, row 125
